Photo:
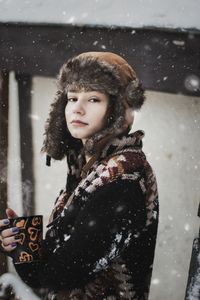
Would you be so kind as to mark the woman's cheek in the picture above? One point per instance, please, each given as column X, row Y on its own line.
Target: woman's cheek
column 129, row 117
column 67, row 113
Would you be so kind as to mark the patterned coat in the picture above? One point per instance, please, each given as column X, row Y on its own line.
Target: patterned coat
column 101, row 241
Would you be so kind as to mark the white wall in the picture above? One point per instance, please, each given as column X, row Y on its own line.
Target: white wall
column 172, row 126
column 133, row 13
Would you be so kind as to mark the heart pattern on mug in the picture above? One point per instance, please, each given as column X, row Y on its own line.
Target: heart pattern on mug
column 33, row 247
column 21, row 224
column 25, row 256
column 21, row 238
column 36, row 221
column 33, row 233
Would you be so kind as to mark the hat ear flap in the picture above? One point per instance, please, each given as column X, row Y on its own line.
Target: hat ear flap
column 134, row 94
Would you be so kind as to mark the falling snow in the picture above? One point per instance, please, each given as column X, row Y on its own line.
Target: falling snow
column 155, row 281
column 178, row 42
column 66, row 237
column 104, row 261
column 187, row 227
column 192, row 83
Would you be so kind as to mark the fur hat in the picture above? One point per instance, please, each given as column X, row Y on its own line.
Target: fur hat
column 101, row 71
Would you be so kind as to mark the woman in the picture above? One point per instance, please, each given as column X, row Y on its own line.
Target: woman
column 102, row 232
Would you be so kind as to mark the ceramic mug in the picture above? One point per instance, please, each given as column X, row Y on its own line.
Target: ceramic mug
column 30, row 238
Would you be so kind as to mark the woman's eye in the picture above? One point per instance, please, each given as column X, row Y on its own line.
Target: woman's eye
column 71, row 99
column 94, row 100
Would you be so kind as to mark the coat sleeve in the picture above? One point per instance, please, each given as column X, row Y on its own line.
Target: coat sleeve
column 103, row 228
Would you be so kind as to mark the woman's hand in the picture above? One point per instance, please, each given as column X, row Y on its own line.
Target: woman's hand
column 8, row 237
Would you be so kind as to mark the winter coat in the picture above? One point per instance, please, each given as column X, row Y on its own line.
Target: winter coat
column 101, row 242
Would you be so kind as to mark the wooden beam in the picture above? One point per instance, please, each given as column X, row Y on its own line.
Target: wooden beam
column 165, row 60
column 4, row 80
column 193, row 288
column 26, row 144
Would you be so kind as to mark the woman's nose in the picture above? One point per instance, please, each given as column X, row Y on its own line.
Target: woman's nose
column 78, row 107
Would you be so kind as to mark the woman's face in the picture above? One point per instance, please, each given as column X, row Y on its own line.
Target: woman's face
column 86, row 113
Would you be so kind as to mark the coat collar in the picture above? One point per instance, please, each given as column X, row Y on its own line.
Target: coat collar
column 110, row 146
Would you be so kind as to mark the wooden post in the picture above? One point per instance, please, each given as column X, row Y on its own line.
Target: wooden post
column 4, row 80
column 193, row 283
column 26, row 144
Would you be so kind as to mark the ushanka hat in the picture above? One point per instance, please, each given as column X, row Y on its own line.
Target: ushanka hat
column 93, row 71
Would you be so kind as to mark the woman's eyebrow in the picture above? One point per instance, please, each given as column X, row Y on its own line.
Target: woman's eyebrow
column 71, row 93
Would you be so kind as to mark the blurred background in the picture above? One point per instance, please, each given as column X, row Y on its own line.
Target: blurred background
column 161, row 40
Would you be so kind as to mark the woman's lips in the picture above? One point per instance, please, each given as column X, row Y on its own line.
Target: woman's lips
column 78, row 123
